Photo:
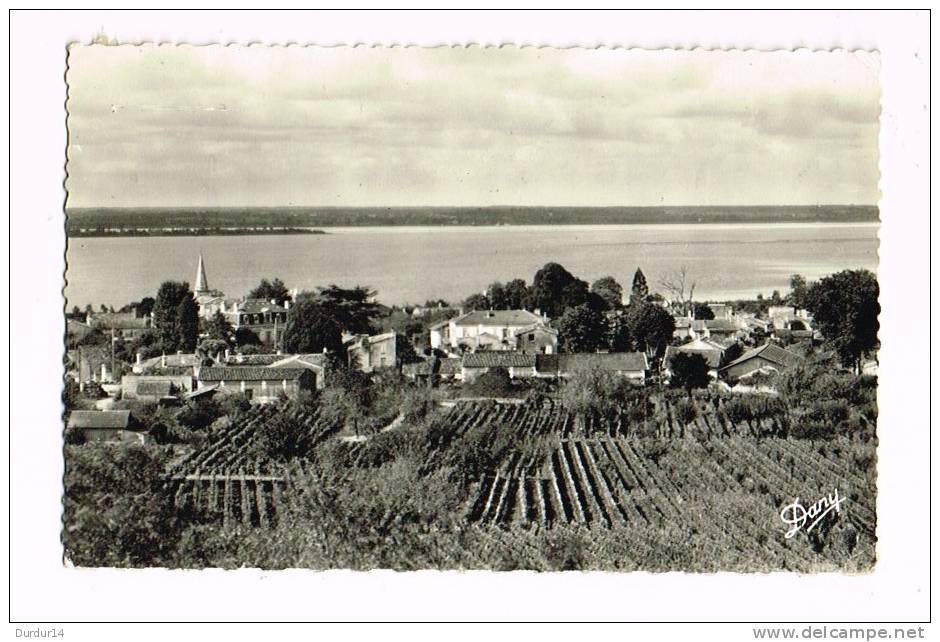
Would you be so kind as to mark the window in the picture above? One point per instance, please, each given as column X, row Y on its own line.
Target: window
column 531, row 336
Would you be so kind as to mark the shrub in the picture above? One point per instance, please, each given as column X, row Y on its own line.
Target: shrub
column 495, row 382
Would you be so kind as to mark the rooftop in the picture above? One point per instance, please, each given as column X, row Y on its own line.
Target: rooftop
column 771, row 352
column 499, row 318
column 249, row 373
column 498, row 359
column 113, row 419
column 612, row 361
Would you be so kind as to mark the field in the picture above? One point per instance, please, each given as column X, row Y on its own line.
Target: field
column 643, row 486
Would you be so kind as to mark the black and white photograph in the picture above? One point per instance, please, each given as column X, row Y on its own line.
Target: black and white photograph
column 424, row 317
column 471, row 308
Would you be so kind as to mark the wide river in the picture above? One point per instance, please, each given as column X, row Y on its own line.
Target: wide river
column 413, row 264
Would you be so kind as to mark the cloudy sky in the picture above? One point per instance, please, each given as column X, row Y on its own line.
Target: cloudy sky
column 256, row 126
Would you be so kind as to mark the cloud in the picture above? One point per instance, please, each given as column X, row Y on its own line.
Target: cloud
column 165, row 125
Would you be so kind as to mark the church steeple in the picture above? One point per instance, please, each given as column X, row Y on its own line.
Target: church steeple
column 202, row 286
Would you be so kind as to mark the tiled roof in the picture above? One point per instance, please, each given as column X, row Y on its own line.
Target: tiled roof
column 256, row 306
column 498, row 318
column 171, row 361
column 613, row 361
column 315, row 360
column 254, row 359
column 771, row 352
column 712, row 355
column 249, row 373
column 498, row 359
column 721, row 325
column 115, row 419
column 536, row 327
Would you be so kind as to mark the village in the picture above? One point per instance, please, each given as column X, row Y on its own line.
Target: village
column 680, row 342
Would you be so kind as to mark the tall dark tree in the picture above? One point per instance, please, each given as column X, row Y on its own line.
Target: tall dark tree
column 311, row 327
column 640, row 291
column 271, row 291
column 619, row 334
column 609, row 290
column 476, row 302
column 554, row 289
column 187, row 321
column 798, row 289
column 582, row 329
column 351, row 308
column 689, row 371
column 651, row 327
column 516, row 293
column 845, row 308
column 166, row 309
column 702, row 311
column 496, row 294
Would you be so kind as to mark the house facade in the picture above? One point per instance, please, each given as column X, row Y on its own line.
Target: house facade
column 489, row 329
column 537, row 339
column 261, row 384
column 373, row 353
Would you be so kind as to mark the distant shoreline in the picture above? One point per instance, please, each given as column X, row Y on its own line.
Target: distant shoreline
column 199, row 221
column 193, row 231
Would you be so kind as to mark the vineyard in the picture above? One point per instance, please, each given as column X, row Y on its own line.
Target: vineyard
column 653, row 468
column 229, row 480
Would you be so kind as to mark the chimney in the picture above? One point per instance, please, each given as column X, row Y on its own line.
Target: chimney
column 179, row 353
column 287, row 304
column 273, row 301
column 138, row 359
column 88, row 318
column 278, row 351
column 163, row 361
column 226, row 355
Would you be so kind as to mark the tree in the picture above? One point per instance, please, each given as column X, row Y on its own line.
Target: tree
column 554, row 289
column 247, row 337
column 680, row 287
column 689, row 371
column 352, row 309
column 495, row 382
column 591, row 390
column 166, row 314
column 702, row 311
column 271, row 291
column 218, row 327
column 651, row 327
column 516, row 294
column 798, row 289
column 187, row 320
column 476, row 302
column 845, row 308
column 608, row 289
column 118, row 510
column 619, row 335
column 311, row 328
column 581, row 329
column 640, row 292
column 348, row 396
column 496, row 295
